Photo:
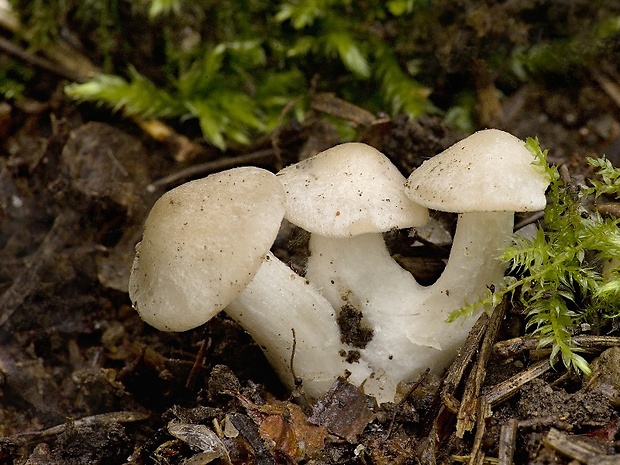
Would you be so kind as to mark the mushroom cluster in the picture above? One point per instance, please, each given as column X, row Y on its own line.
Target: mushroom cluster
column 205, row 249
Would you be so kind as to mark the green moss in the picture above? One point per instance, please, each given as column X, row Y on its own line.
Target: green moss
column 383, row 56
column 242, row 63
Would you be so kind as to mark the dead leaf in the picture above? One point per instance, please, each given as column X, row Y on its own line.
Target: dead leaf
column 285, row 426
column 202, row 438
column 292, row 434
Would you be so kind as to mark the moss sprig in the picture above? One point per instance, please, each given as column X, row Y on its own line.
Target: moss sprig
column 163, row 7
column 226, row 78
column 565, row 275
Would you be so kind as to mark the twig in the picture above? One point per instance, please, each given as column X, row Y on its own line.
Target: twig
column 540, row 423
column 298, row 381
column 14, row 50
column 211, row 167
column 471, row 395
column 506, row 389
column 507, row 442
column 512, row 347
column 110, row 417
column 577, row 449
column 515, row 346
column 464, row 357
column 465, row 458
column 476, row 456
column 415, row 385
column 533, row 218
column 292, row 359
column 610, row 87
column 66, row 61
column 198, row 361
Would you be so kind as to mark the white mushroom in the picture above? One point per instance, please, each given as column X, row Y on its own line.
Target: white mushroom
column 348, row 190
column 346, row 197
column 205, row 248
column 488, row 175
column 486, row 178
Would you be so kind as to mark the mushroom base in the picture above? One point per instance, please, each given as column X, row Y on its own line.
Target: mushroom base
column 410, row 332
column 296, row 328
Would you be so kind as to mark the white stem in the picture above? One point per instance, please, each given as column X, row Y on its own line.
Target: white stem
column 408, row 320
column 473, row 267
column 277, row 302
column 359, row 271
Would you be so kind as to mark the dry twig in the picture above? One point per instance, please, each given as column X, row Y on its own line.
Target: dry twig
column 576, row 449
column 507, row 442
column 471, row 396
column 610, row 87
column 103, row 418
column 515, row 346
column 476, row 456
column 457, row 369
column 203, row 169
column 506, row 389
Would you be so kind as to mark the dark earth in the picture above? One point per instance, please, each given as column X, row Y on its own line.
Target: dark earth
column 84, row 381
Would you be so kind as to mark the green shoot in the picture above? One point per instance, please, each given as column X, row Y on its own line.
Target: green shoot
column 566, row 275
column 136, row 96
column 203, row 91
column 13, row 79
column 162, row 7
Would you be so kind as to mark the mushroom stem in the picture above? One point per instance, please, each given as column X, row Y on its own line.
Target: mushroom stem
column 296, row 328
column 473, row 267
column 474, row 263
column 410, row 332
column 358, row 272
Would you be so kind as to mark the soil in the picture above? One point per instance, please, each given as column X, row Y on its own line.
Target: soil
column 85, row 381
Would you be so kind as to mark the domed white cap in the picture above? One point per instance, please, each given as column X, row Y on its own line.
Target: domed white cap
column 491, row 170
column 203, row 243
column 348, row 190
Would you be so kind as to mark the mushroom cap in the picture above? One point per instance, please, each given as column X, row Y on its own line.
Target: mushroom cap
column 491, row 170
column 203, row 242
column 347, row 190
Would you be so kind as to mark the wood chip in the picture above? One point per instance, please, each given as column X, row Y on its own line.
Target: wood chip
column 457, row 369
column 344, row 410
column 248, row 429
